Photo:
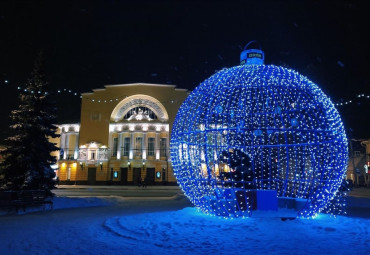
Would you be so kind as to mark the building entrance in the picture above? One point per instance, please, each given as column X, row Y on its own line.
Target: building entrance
column 123, row 176
column 150, row 176
column 136, row 175
column 91, row 175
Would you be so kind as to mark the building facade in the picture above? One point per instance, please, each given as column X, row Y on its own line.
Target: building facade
column 358, row 170
column 122, row 138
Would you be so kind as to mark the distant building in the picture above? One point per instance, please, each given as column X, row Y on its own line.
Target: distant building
column 122, row 138
column 358, row 169
column 1, row 161
column 366, row 144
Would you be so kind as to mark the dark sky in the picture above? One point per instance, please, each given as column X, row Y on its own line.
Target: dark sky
column 89, row 44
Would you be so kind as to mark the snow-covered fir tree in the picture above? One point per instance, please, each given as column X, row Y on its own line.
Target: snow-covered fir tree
column 28, row 156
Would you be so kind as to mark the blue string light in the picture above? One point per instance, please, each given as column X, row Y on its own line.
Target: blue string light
column 258, row 127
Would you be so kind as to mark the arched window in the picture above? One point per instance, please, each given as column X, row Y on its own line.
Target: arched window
column 139, row 107
column 140, row 113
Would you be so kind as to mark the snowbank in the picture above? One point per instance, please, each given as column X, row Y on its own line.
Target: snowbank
column 109, row 225
column 77, row 202
column 189, row 232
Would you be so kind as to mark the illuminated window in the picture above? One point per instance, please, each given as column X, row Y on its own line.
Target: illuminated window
column 151, row 142
column 92, row 155
column 126, row 146
column 140, row 113
column 115, row 146
column 163, row 148
column 138, row 146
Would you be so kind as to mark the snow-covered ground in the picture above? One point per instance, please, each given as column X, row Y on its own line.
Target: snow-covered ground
column 113, row 225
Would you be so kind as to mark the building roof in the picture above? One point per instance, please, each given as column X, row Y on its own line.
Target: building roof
column 134, row 84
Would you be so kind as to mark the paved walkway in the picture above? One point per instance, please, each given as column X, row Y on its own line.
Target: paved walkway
column 120, row 191
column 360, row 192
column 119, row 187
column 152, row 190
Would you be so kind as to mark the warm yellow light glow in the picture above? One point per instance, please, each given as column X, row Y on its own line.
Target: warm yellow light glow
column 93, row 145
column 217, row 170
column 204, row 169
column 226, row 168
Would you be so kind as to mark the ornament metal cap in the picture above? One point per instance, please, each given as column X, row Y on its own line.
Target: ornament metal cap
column 252, row 55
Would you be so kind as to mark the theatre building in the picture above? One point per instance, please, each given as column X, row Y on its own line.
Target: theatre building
column 122, row 138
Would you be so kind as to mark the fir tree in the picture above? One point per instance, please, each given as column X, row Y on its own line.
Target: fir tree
column 28, row 156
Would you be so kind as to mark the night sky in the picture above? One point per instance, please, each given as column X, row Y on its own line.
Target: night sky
column 89, row 44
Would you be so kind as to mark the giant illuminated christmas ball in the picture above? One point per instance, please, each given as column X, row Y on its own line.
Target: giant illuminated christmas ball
column 258, row 137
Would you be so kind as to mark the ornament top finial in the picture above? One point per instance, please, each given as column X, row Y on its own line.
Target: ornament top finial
column 252, row 55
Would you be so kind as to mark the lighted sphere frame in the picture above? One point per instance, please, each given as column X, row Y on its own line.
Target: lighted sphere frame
column 253, row 128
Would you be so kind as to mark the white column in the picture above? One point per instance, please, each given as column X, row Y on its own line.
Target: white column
column 62, row 144
column 131, row 153
column 76, row 146
column 157, row 146
column 66, row 150
column 110, row 141
column 119, row 146
column 145, row 145
column 62, row 141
